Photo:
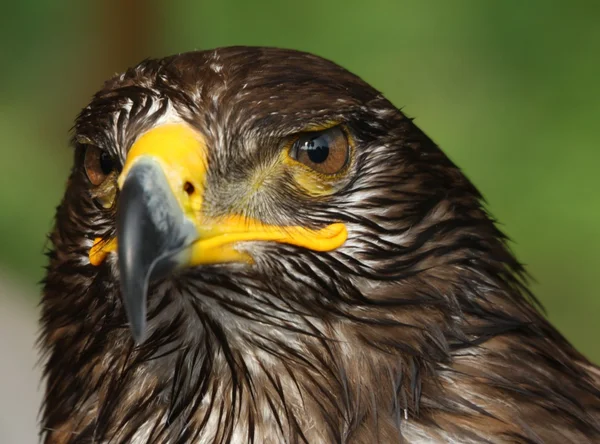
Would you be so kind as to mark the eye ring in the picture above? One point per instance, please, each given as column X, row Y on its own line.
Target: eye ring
column 326, row 152
column 98, row 165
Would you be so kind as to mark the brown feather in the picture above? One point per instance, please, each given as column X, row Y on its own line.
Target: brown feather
column 419, row 329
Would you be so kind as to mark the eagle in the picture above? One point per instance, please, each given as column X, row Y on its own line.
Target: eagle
column 256, row 246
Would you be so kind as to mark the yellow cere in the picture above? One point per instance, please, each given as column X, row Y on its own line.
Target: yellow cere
column 181, row 151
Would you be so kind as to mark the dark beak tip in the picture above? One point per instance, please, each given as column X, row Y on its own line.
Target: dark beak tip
column 139, row 336
column 137, row 324
column 151, row 228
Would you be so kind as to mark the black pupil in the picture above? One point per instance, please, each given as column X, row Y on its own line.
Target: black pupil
column 317, row 149
column 106, row 164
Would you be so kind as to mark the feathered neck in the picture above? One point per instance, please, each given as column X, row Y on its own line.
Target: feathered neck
column 433, row 371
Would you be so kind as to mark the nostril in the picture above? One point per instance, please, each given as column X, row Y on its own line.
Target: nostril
column 188, row 188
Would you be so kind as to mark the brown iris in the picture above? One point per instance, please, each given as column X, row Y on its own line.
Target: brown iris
column 101, row 172
column 326, row 151
column 98, row 165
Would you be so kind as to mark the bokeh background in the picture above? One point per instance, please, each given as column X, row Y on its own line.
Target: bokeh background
column 510, row 89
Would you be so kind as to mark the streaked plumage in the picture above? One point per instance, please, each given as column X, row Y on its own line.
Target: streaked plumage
column 419, row 328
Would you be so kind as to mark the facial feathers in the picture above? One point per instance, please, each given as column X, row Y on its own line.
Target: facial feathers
column 417, row 327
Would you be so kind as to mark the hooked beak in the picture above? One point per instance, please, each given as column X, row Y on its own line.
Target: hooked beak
column 161, row 227
column 153, row 235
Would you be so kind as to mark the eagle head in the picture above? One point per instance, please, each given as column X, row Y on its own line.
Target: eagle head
column 256, row 246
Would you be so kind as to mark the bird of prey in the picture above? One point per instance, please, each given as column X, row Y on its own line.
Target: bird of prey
column 256, row 246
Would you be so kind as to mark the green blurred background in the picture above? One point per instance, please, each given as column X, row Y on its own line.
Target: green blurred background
column 509, row 89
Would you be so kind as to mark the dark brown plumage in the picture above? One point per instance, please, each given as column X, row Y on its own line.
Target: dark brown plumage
column 418, row 328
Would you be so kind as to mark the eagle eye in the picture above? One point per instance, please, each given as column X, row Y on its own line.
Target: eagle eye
column 98, row 165
column 326, row 152
column 101, row 171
